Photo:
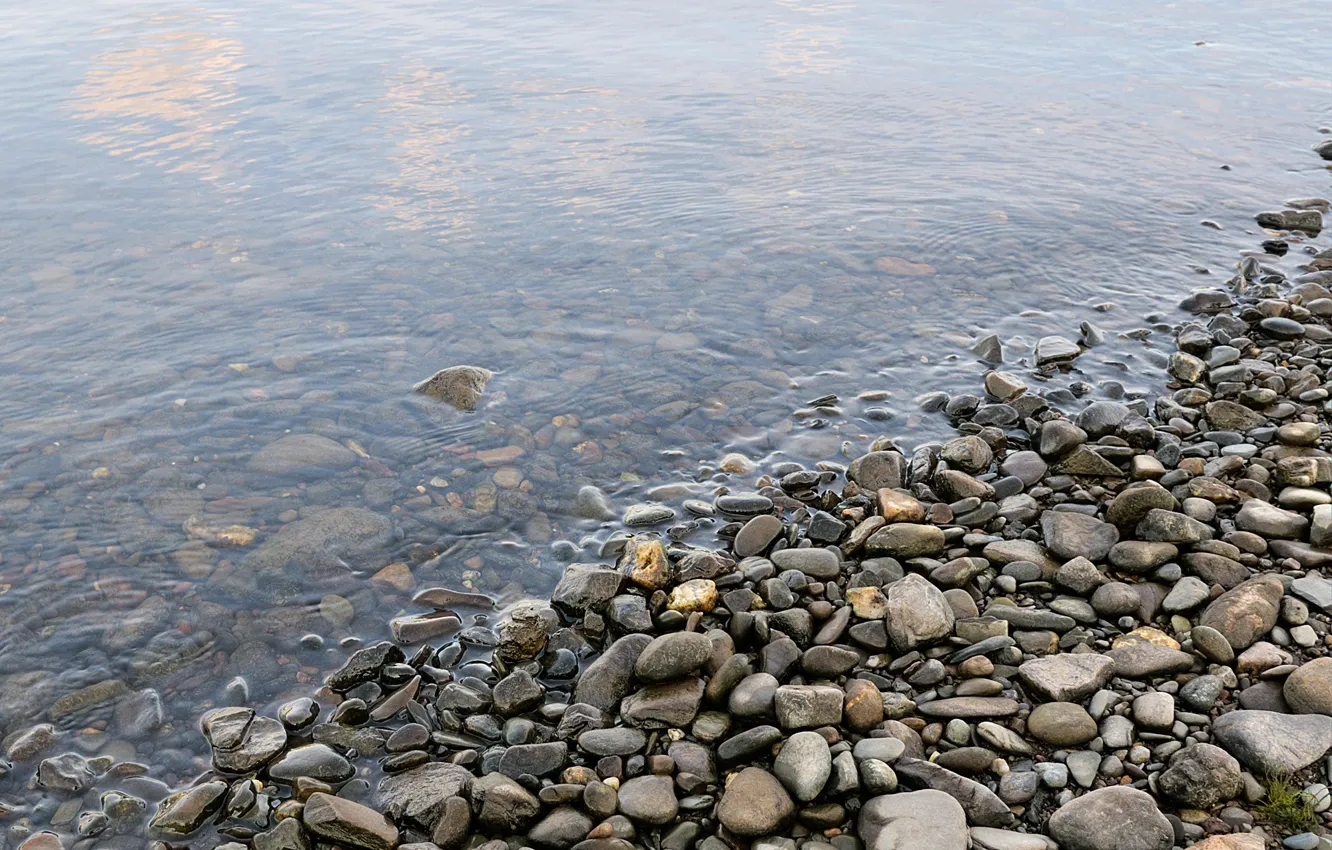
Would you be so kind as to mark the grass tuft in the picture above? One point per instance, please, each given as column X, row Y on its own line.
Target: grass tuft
column 1286, row 806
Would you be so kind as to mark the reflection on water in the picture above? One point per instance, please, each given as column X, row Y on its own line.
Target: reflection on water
column 169, row 98
column 233, row 243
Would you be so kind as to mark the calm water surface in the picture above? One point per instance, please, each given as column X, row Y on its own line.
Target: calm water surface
column 666, row 227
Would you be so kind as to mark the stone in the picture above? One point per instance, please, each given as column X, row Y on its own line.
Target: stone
column 1231, row 416
column 754, row 804
column 562, row 828
column 615, row 741
column 1272, row 743
column 1162, row 526
column 1201, row 776
column 806, row 706
column 644, row 562
column 586, row 587
column 1071, row 535
column 981, row 805
column 756, row 535
column 1063, row 724
column 649, row 799
column 1140, row 556
column 904, row 540
column 312, row 761
column 968, row 453
column 302, row 456
column 460, row 386
column 672, row 655
column 671, row 704
column 420, row 795
column 1270, row 521
column 328, row 541
column 1147, row 661
column 606, row 680
column 813, row 562
column 1308, row 690
column 877, row 470
column 1055, row 351
column 502, row 805
column 915, row 820
column 803, row 765
column 1114, row 818
column 1246, row 612
column 918, row 613
column 1154, row 710
column 346, row 822
column 1067, row 677
column 969, row 708
column 186, row 811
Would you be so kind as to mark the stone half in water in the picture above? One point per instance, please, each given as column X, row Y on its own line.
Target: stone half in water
column 460, row 386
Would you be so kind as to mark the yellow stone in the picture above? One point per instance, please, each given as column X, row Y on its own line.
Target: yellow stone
column 868, row 603
column 698, row 594
column 644, row 562
column 900, row 507
column 736, row 464
column 396, row 576
column 225, row 535
column 101, row 472
column 337, row 610
column 1145, row 634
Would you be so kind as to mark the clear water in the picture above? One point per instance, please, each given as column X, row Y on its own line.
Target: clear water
column 666, row 227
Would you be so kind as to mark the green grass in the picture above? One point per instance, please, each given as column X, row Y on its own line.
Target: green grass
column 1286, row 806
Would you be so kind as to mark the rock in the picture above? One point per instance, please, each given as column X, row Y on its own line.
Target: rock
column 1161, row 526
column 343, row 821
column 1070, row 535
column 521, row 634
column 644, row 562
column 183, row 813
column 1246, row 612
column 1133, row 504
column 877, row 470
column 916, row 820
column 592, row 503
column 1055, row 351
column 754, row 803
column 302, row 455
column 533, row 759
column 1201, row 776
column 1147, row 661
column 672, row 704
column 420, row 795
column 615, row 741
column 606, row 680
column 989, row 838
column 804, row 765
column 905, row 540
column 1067, row 677
column 1231, row 416
column 1270, row 521
column 586, row 587
column 561, row 829
column 502, row 805
column 314, row 761
column 815, row 563
column 1154, row 710
column 806, row 706
column 286, row 835
column 1271, row 743
column 1139, row 556
column 331, row 541
column 969, row 708
column 649, row 799
column 673, row 655
column 756, row 535
column 1236, row 841
column 918, row 613
column 460, row 386
column 968, row 453
column 264, row 739
column 1115, row 818
column 1308, row 690
column 42, row 841
column 1064, row 724
column 980, row 804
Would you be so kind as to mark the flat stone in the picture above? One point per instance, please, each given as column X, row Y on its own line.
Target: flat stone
column 346, row 822
column 1067, row 677
column 1246, row 612
column 1145, row 660
column 1071, row 535
column 980, row 804
column 916, row 820
column 1115, row 818
column 1272, row 743
column 807, row 706
column 918, row 613
column 420, row 795
column 302, row 455
column 1063, row 724
column 649, row 799
column 756, row 535
column 672, row 655
column 969, row 708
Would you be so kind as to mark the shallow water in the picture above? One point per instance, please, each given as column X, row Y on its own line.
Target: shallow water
column 666, row 230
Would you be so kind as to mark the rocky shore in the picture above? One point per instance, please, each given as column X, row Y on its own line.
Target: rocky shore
column 1090, row 626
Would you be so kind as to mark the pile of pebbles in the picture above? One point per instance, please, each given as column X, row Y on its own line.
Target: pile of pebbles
column 1095, row 627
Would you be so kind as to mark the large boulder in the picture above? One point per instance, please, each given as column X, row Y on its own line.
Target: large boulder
column 1309, row 689
column 1114, row 818
column 918, row 613
column 1246, row 612
column 302, row 456
column 1268, row 742
column 1201, row 776
column 918, row 820
column 460, row 386
column 333, row 540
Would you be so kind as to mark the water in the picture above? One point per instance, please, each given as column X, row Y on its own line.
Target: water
column 665, row 227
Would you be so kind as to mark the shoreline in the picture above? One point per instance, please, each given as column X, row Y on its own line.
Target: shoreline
column 874, row 665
